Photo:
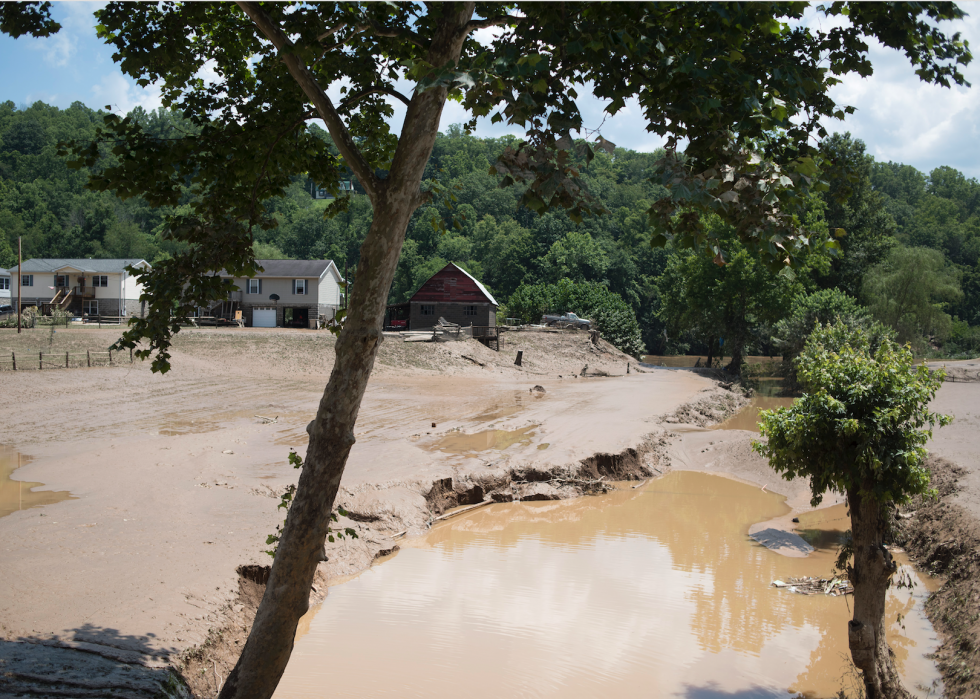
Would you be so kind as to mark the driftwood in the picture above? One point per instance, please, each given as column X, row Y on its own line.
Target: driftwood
column 472, row 360
column 268, row 420
column 816, row 586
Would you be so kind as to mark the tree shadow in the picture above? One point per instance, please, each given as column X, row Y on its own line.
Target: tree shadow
column 92, row 661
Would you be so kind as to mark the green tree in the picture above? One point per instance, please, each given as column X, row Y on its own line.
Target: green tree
column 819, row 308
column 910, row 292
column 854, row 206
column 742, row 87
column 609, row 313
column 859, row 429
column 721, row 305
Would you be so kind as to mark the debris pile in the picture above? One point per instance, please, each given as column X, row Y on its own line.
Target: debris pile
column 816, row 586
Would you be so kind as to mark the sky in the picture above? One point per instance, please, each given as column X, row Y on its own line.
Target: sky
column 898, row 117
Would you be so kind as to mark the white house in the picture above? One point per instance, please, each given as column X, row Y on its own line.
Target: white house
column 89, row 286
column 287, row 293
column 5, row 287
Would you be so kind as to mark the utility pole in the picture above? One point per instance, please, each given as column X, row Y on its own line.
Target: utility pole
column 20, row 260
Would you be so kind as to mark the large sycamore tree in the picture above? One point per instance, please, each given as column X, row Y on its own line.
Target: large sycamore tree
column 739, row 91
column 859, row 429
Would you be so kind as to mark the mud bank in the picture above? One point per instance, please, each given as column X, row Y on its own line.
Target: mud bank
column 943, row 538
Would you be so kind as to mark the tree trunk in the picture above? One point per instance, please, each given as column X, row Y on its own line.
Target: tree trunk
column 711, row 351
column 286, row 598
column 871, row 575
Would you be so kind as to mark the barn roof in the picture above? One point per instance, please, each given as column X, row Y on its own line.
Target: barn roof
column 421, row 293
column 482, row 288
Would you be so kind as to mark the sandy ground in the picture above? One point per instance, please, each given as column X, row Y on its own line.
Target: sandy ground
column 177, row 480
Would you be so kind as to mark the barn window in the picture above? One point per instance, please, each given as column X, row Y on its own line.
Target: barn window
column 469, row 310
column 428, row 309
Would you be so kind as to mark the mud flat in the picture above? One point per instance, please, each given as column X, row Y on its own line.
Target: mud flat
column 174, row 479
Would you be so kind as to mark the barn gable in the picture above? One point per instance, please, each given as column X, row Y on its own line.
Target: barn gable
column 452, row 285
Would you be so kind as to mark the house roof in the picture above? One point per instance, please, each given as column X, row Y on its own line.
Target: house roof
column 91, row 266
column 482, row 288
column 294, row 269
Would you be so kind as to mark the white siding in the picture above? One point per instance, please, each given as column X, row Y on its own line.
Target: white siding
column 329, row 289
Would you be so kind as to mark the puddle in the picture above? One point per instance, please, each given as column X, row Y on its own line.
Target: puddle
column 543, row 446
column 19, row 495
column 767, row 396
column 460, row 443
column 650, row 592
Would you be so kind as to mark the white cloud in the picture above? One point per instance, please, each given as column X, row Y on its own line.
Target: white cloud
column 55, row 50
column 903, row 119
column 122, row 96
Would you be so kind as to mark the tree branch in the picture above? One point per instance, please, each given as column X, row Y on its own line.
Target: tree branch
column 377, row 30
column 301, row 74
column 490, row 22
column 351, row 99
column 331, row 32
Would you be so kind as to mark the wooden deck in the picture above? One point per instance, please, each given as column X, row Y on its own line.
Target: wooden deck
column 489, row 335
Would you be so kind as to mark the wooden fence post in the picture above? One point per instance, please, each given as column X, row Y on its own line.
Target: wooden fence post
column 13, row 358
column 130, row 355
column 66, row 360
column 88, row 358
column 40, row 360
column 110, row 357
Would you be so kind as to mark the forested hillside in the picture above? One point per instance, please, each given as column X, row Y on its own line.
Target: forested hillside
column 909, row 259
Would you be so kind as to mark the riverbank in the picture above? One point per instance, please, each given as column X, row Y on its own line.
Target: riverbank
column 177, row 477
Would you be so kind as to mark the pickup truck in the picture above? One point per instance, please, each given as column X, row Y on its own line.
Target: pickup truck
column 569, row 320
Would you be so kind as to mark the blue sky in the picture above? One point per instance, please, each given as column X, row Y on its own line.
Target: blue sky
column 898, row 117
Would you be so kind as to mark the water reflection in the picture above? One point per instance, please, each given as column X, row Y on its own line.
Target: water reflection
column 650, row 592
column 20, row 495
column 769, row 393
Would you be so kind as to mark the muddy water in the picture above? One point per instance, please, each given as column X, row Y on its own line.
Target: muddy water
column 684, row 360
column 20, row 495
column 485, row 440
column 651, row 592
column 768, row 395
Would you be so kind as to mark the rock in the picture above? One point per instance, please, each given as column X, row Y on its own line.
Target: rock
column 796, row 520
column 537, row 389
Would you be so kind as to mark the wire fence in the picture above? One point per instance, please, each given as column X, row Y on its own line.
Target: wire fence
column 60, row 360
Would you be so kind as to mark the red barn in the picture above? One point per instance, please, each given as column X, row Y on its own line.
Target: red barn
column 450, row 293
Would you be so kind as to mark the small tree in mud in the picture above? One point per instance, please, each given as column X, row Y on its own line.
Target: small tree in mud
column 860, row 429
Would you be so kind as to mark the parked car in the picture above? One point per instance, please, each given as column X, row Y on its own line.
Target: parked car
column 568, row 320
column 6, row 309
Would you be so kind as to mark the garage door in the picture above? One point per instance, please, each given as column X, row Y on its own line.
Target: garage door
column 265, row 318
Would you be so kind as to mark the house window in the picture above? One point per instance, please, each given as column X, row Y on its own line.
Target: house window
column 100, row 280
column 27, row 280
column 254, row 286
column 60, row 280
column 299, row 287
column 469, row 310
column 428, row 309
column 4, row 283
column 90, row 308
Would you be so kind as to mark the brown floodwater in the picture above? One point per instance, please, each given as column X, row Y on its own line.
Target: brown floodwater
column 684, row 360
column 20, row 495
column 651, row 592
column 485, row 440
column 768, row 395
